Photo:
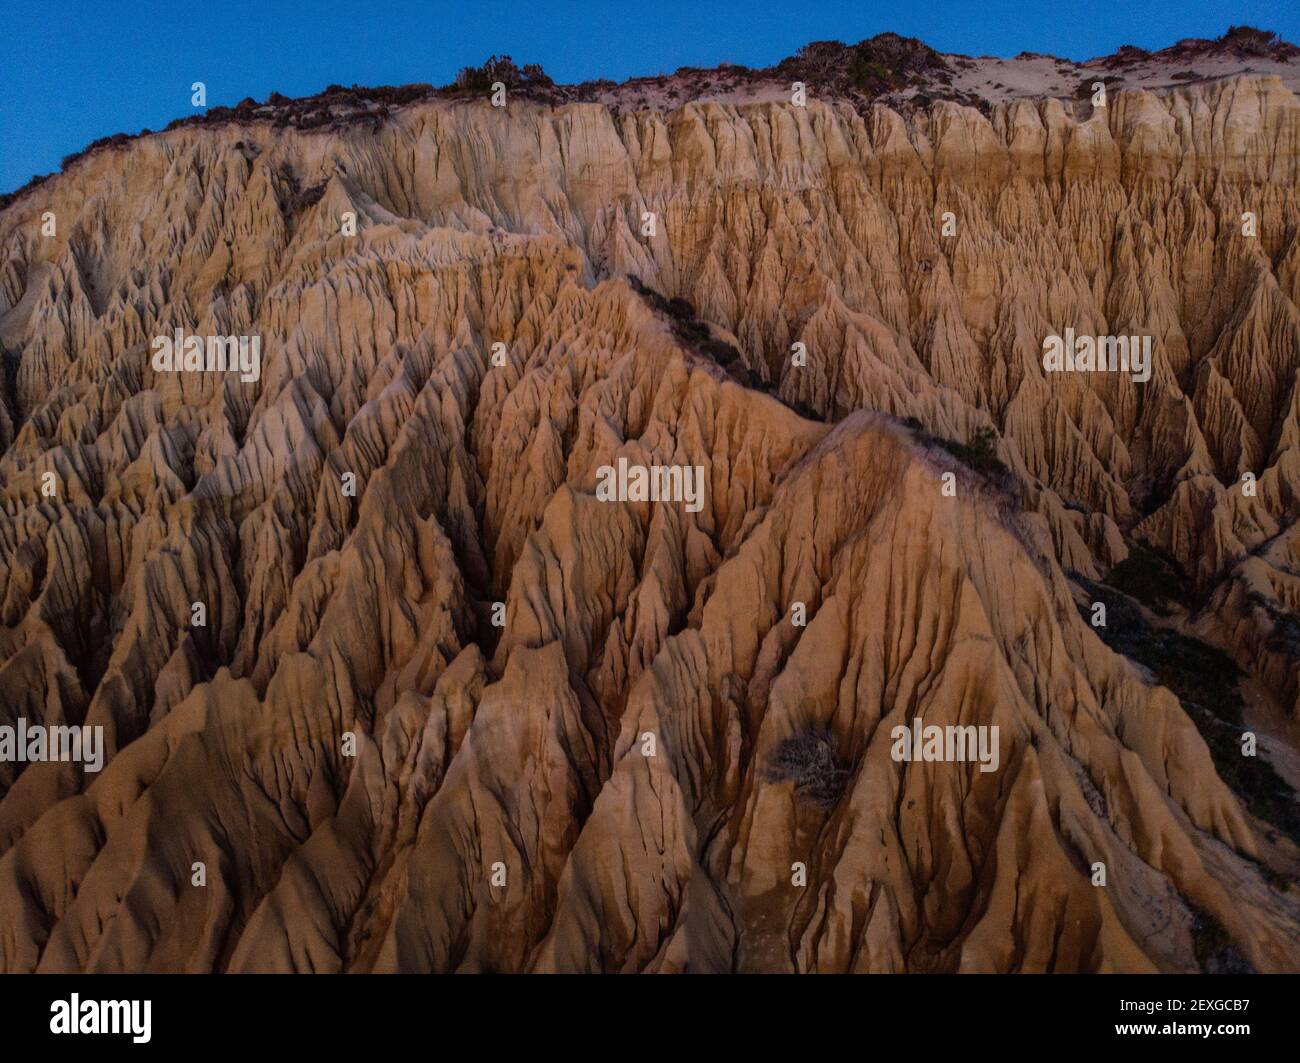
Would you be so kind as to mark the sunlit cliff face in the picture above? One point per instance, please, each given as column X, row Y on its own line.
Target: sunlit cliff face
column 387, row 680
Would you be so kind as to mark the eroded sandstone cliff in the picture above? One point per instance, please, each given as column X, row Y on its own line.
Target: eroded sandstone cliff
column 500, row 811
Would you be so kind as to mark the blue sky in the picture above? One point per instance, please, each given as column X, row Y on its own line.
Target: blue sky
column 72, row 72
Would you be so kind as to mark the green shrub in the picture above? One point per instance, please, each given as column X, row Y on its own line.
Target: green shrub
column 503, row 69
column 1204, row 680
column 980, row 453
column 1153, row 578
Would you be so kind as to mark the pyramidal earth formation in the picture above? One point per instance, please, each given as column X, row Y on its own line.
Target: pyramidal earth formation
column 401, row 655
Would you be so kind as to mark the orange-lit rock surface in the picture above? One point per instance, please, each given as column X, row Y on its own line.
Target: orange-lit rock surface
column 336, row 616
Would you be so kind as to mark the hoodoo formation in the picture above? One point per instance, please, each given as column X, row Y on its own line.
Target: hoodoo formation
column 379, row 661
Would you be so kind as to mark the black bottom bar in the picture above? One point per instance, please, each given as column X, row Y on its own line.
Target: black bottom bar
column 488, row 1015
